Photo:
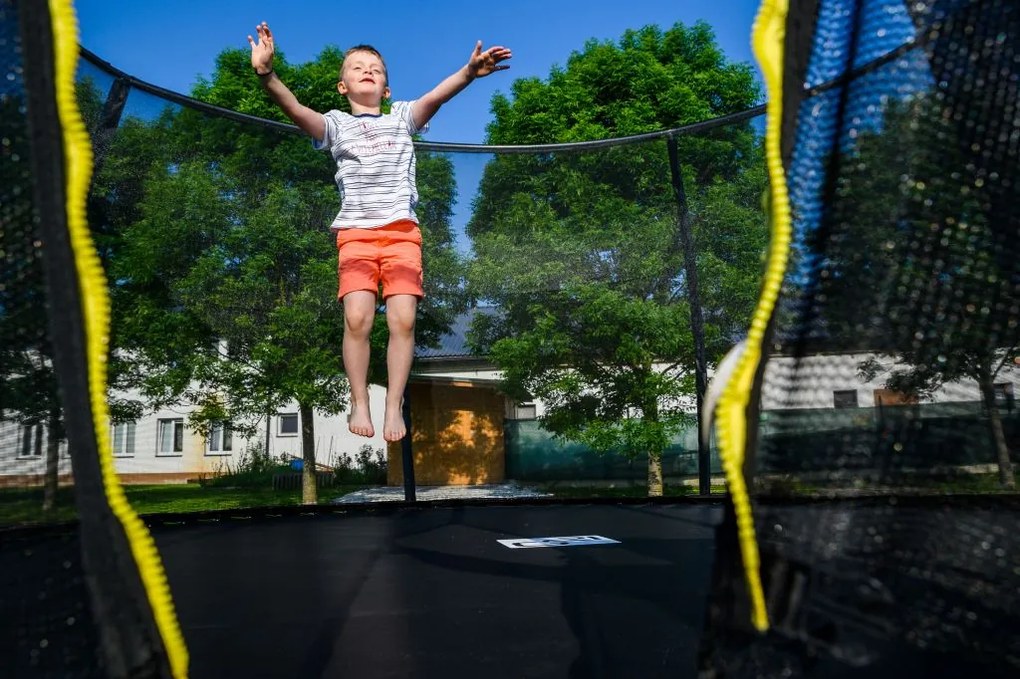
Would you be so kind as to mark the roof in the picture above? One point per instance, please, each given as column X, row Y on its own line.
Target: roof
column 454, row 344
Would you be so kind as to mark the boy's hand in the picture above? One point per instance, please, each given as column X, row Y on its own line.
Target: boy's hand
column 485, row 63
column 262, row 51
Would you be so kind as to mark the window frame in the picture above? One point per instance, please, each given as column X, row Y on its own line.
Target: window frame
column 178, row 424
column 837, row 394
column 279, row 425
column 1004, row 396
column 220, row 440
column 129, row 433
column 27, row 433
column 525, row 411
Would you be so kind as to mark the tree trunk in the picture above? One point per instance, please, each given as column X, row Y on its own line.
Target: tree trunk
column 650, row 413
column 309, row 488
column 50, row 480
column 685, row 234
column 655, row 473
column 269, row 420
column 1006, row 477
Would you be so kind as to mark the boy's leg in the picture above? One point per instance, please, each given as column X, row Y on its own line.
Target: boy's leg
column 400, row 313
column 401, row 274
column 359, row 312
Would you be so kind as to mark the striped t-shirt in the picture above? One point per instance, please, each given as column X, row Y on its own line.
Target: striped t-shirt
column 374, row 157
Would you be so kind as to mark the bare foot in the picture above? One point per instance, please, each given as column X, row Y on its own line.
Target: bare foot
column 360, row 422
column 393, row 424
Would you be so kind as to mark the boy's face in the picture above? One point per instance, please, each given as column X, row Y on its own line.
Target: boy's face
column 363, row 79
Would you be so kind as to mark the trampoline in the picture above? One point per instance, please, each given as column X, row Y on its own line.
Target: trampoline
column 406, row 592
column 399, row 590
column 875, row 539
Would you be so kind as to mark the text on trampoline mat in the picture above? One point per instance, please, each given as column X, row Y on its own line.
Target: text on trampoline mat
column 558, row 541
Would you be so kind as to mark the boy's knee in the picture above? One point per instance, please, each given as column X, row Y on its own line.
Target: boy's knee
column 359, row 320
column 401, row 325
column 400, row 321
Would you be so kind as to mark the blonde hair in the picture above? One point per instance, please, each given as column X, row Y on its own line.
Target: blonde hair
column 370, row 50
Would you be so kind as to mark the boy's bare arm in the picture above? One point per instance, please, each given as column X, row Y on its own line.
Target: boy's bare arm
column 262, row 61
column 479, row 65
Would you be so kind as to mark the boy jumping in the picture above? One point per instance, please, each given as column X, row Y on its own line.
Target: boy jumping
column 377, row 231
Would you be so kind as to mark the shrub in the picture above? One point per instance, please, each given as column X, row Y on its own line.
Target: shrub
column 254, row 468
column 366, row 467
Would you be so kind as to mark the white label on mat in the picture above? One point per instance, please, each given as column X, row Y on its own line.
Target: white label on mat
column 560, row 541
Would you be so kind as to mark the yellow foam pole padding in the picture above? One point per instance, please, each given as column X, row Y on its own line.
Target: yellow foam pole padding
column 731, row 413
column 96, row 314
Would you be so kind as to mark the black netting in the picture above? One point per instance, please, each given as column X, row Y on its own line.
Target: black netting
column 563, row 341
column 34, row 450
column 888, row 396
column 46, row 626
column 896, row 341
column 223, row 282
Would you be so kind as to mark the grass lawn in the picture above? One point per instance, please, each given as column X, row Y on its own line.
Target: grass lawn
column 23, row 505
column 972, row 483
column 623, row 490
column 905, row 484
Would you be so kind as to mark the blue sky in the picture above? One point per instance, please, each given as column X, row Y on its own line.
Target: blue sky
column 174, row 43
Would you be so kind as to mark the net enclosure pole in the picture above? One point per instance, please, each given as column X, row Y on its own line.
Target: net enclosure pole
column 694, row 300
column 406, row 451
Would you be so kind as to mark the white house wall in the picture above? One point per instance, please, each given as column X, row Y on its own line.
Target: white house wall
column 808, row 382
column 12, row 464
column 811, row 381
column 332, row 439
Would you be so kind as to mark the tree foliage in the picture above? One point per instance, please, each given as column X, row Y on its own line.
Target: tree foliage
column 28, row 385
column 223, row 271
column 29, row 393
column 914, row 263
column 580, row 252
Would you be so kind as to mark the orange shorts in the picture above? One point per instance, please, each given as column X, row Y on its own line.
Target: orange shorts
column 390, row 255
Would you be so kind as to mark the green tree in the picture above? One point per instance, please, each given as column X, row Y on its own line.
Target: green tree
column 579, row 251
column 223, row 270
column 29, row 393
column 914, row 267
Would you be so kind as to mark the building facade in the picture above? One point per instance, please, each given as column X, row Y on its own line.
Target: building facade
column 464, row 430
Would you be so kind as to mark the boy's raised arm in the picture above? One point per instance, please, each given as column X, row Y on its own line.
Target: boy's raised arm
column 479, row 65
column 262, row 61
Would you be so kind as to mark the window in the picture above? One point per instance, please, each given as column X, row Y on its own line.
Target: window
column 30, row 440
column 525, row 411
column 288, row 424
column 170, row 436
column 221, row 438
column 844, row 399
column 517, row 410
column 1004, row 395
column 123, row 436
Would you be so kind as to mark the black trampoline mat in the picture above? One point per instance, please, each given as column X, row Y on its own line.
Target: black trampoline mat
column 429, row 592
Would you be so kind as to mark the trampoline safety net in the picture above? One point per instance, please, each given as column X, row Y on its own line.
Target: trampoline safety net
column 853, row 247
column 891, row 355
